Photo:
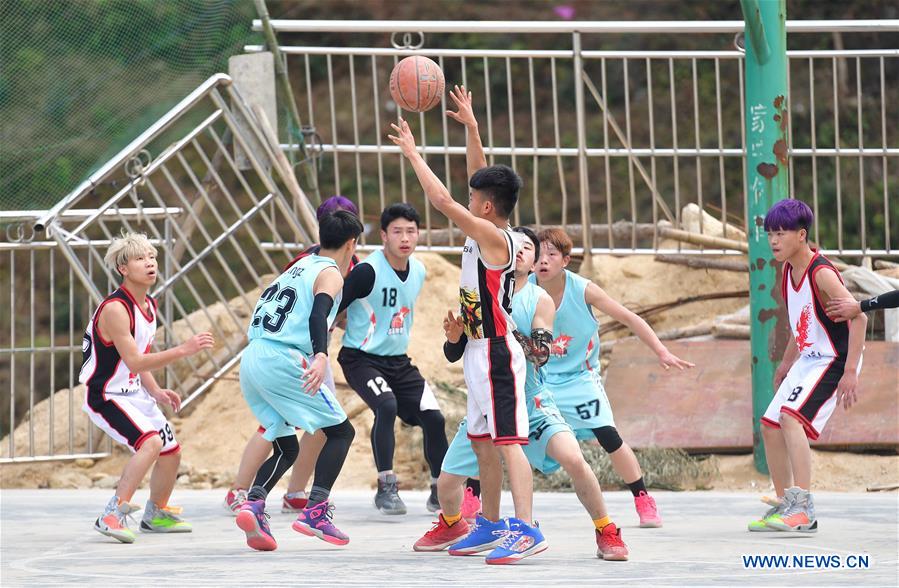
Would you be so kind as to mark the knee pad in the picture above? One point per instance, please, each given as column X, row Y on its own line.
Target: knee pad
column 344, row 430
column 288, row 446
column 609, row 439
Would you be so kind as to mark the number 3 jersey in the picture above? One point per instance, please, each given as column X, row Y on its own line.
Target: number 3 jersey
column 380, row 323
column 282, row 313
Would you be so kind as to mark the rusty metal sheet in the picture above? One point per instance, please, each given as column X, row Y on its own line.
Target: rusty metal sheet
column 709, row 408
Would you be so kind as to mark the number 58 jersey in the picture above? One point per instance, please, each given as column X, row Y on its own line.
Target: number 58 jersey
column 282, row 313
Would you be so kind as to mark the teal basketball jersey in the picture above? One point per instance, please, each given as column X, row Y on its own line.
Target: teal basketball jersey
column 282, row 313
column 575, row 345
column 524, row 307
column 381, row 322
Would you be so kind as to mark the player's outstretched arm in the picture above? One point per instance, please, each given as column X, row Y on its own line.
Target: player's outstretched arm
column 115, row 326
column 843, row 309
column 474, row 149
column 829, row 283
column 601, row 301
column 483, row 231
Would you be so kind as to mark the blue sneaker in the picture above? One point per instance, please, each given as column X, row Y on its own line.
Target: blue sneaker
column 253, row 520
column 485, row 535
column 521, row 541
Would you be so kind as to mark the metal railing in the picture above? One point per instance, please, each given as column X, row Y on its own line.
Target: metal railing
column 609, row 142
column 180, row 184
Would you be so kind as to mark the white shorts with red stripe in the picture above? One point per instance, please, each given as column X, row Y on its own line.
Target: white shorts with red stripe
column 130, row 419
column 808, row 394
column 495, row 376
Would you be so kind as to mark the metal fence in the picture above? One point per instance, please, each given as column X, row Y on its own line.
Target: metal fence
column 180, row 184
column 611, row 142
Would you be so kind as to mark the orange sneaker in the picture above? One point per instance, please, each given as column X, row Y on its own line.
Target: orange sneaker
column 113, row 522
column 442, row 535
column 609, row 545
column 799, row 515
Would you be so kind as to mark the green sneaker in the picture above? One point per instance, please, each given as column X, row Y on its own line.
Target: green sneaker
column 163, row 520
column 778, row 507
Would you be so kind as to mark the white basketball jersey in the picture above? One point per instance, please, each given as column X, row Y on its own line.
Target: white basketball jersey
column 103, row 371
column 815, row 334
column 485, row 291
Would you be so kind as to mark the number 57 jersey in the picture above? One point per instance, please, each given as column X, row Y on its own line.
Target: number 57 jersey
column 282, row 312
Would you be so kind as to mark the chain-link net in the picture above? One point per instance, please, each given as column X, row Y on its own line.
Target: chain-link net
column 80, row 79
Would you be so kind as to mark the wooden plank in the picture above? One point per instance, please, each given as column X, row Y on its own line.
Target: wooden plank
column 709, row 408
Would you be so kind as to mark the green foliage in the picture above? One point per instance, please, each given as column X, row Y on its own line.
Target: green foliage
column 82, row 78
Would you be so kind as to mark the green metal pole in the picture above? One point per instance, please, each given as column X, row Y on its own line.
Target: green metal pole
column 767, row 181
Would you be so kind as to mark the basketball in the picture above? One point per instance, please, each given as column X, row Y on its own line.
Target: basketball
column 416, row 84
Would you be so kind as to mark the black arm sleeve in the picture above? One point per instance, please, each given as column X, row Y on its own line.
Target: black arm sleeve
column 357, row 285
column 453, row 351
column 318, row 322
column 888, row 300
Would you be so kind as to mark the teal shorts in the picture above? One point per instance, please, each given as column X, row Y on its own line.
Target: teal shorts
column 271, row 381
column 544, row 421
column 582, row 401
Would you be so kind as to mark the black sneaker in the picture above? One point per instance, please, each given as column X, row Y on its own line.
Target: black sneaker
column 433, row 505
column 387, row 500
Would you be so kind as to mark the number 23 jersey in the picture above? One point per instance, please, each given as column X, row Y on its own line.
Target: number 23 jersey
column 282, row 313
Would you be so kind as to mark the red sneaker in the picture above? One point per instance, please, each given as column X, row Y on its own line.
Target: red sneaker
column 471, row 506
column 234, row 500
column 647, row 511
column 442, row 535
column 609, row 545
column 294, row 502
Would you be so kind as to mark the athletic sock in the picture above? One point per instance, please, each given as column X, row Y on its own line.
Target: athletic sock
column 297, row 494
column 257, row 493
column 602, row 523
column 318, row 495
column 475, row 486
column 451, row 519
column 638, row 487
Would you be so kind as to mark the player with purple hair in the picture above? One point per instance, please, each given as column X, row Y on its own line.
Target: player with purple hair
column 820, row 367
column 258, row 448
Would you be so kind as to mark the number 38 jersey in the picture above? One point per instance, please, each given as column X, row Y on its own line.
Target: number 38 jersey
column 380, row 323
column 282, row 313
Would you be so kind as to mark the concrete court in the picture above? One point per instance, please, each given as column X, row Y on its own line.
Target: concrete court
column 47, row 540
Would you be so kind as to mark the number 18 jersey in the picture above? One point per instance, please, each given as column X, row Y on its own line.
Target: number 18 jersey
column 282, row 313
column 381, row 322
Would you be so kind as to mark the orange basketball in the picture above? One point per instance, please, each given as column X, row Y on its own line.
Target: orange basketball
column 416, row 84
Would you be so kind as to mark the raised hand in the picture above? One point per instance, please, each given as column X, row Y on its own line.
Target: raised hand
column 452, row 327
column 404, row 138
column 462, row 100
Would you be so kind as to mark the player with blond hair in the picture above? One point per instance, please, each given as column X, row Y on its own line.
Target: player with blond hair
column 122, row 396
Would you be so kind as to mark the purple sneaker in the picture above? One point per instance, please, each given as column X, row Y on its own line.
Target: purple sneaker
column 315, row 521
column 253, row 520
